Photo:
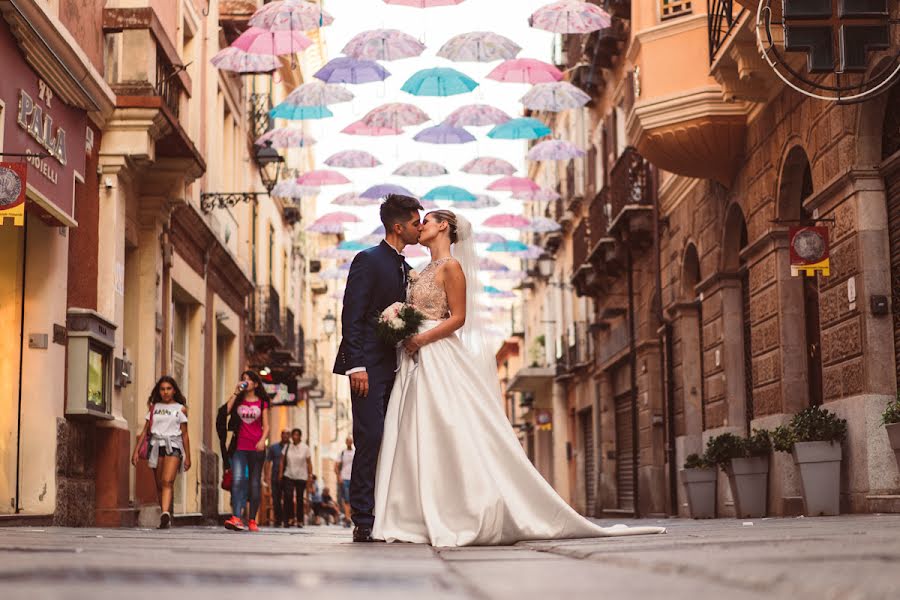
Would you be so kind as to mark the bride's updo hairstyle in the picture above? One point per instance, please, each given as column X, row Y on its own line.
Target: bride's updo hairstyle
column 449, row 217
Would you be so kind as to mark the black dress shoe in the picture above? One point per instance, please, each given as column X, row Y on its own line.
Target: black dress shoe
column 362, row 534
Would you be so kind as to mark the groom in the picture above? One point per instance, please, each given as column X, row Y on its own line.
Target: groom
column 377, row 279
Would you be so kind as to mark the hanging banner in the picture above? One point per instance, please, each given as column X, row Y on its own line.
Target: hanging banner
column 809, row 251
column 12, row 192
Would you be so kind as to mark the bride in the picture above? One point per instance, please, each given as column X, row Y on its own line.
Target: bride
column 451, row 472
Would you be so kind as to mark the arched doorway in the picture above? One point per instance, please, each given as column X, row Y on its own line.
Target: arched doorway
column 736, row 322
column 890, row 155
column 692, row 350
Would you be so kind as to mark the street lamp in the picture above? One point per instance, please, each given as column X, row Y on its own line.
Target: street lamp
column 269, row 162
column 545, row 265
column 329, row 323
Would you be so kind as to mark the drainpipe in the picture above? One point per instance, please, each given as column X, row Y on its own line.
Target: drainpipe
column 18, row 507
column 632, row 349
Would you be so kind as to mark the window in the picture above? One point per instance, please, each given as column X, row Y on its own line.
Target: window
column 674, row 8
column 98, row 375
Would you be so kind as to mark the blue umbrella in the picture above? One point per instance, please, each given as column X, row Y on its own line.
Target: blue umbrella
column 382, row 190
column 450, row 192
column 440, row 81
column 508, row 246
column 523, row 128
column 350, row 70
column 298, row 113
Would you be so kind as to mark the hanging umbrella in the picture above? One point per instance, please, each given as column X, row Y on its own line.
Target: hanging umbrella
column 489, row 264
column 238, row 61
column 291, row 15
column 541, row 195
column 507, row 220
column 509, row 275
column 352, row 159
column 554, row 97
column 345, row 69
column 523, row 128
column 273, row 43
column 360, row 128
column 424, row 3
column 331, row 274
column 300, row 113
column 508, row 246
column 532, row 252
column 335, row 253
column 481, row 201
column 450, row 192
column 286, row 137
column 377, row 192
column 352, row 199
column 554, row 150
column 289, row 188
column 488, row 237
column 476, row 115
column 338, row 217
column 317, row 93
column 570, row 16
column 479, row 46
column 542, row 225
column 378, row 230
column 383, row 44
column 488, row 165
column 322, row 177
column 332, row 228
column 395, row 115
column 497, row 293
column 444, row 134
column 513, row 184
column 525, row 70
column 420, row 168
column 428, row 204
column 439, row 81
column 373, row 239
column 415, row 251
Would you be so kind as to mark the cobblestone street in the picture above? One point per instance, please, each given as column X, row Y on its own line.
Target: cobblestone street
column 846, row 557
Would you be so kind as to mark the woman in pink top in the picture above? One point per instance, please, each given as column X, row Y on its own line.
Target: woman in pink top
column 250, row 404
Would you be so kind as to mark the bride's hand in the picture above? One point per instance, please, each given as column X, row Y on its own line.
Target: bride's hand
column 412, row 344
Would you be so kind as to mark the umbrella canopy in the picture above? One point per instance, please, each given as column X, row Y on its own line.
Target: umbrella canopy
column 337, row 253
column 476, row 115
column 360, row 128
column 481, row 201
column 322, row 177
column 489, row 237
column 289, row 188
column 570, row 16
column 378, row 230
column 542, row 225
column 300, row 113
column 355, row 245
column 383, row 44
column 286, row 137
column 523, row 128
column 317, row 93
column 507, row 220
column 508, row 246
column 424, row 3
column 479, row 46
column 338, row 217
column 352, row 159
column 351, row 199
column 420, row 168
column 381, row 190
column 238, row 61
column 444, row 134
column 554, row 150
column 498, row 293
column 439, row 81
column 488, row 165
column 330, row 274
column 450, row 192
column 513, row 184
column 395, row 115
column 541, row 195
column 273, row 43
column 332, row 228
column 489, row 264
column 291, row 15
column 509, row 275
column 345, row 69
column 525, row 70
column 414, row 251
column 554, row 97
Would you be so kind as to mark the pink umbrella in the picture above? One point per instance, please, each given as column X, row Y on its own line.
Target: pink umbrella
column 395, row 115
column 420, row 168
column 351, row 199
column 555, row 150
column 507, row 220
column 360, row 128
column 416, row 251
column 290, row 15
column 513, row 184
column 286, row 137
column 338, row 217
column 476, row 115
column 488, row 165
column 322, row 177
column 570, row 16
column 383, row 44
column 352, row 159
column 525, row 70
column 275, row 43
column 541, row 195
column 424, row 3
column 238, row 61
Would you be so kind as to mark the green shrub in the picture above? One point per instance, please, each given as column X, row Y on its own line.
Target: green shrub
column 783, row 438
column 695, row 461
column 722, row 448
column 891, row 412
column 758, row 444
column 814, row 424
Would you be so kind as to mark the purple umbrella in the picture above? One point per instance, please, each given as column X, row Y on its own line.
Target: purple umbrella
column 444, row 134
column 345, row 69
column 382, row 190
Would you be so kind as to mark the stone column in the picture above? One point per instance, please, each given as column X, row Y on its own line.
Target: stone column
column 560, row 439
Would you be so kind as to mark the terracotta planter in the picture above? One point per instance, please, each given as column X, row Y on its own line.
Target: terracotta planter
column 700, row 485
column 749, row 481
column 893, row 431
column 820, row 476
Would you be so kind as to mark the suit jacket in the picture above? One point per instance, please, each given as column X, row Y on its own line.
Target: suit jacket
column 376, row 280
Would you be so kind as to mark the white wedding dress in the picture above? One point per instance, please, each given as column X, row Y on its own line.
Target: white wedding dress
column 451, row 472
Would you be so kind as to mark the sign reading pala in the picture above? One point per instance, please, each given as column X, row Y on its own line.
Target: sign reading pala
column 809, row 251
column 850, row 47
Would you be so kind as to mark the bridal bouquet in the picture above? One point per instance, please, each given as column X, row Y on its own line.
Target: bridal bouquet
column 398, row 322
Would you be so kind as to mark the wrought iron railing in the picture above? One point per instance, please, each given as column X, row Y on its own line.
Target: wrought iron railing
column 629, row 182
column 168, row 86
column 290, row 332
column 581, row 244
column 599, row 216
column 260, row 119
column 721, row 19
column 266, row 311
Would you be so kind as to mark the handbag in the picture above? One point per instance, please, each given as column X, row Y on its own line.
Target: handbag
column 144, row 448
column 227, row 480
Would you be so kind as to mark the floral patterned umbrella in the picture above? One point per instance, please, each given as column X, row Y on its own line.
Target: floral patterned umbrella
column 317, row 93
column 289, row 188
column 507, row 220
column 322, row 177
column 360, row 128
column 481, row 201
column 488, row 165
column 238, row 61
column 338, row 217
column 489, row 264
column 300, row 113
column 525, row 70
column 286, row 137
column 291, row 15
column 351, row 199
column 377, row 192
column 383, row 44
column 444, row 134
column 554, row 97
column 570, row 16
column 273, row 43
column 476, row 115
column 424, row 3
column 513, row 184
column 509, row 275
column 450, row 192
column 352, row 159
column 554, row 150
column 439, row 81
column 523, row 128
column 542, row 225
column 345, row 69
column 541, row 195
column 488, row 237
column 420, row 168
column 395, row 115
column 479, row 46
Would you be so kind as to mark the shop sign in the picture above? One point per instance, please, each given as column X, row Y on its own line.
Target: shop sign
column 543, row 419
column 809, row 251
column 13, row 177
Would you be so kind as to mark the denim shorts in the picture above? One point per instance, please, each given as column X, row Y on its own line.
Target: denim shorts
column 345, row 487
column 176, row 452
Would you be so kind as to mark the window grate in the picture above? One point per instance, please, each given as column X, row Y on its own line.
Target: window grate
column 669, row 9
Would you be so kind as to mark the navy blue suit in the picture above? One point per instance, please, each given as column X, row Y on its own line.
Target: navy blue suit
column 377, row 279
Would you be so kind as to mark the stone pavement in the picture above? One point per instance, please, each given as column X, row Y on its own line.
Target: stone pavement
column 849, row 557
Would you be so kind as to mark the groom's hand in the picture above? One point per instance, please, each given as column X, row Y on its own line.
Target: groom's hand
column 359, row 384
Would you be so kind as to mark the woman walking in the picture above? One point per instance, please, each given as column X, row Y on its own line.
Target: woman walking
column 250, row 403
column 166, row 442
column 296, row 468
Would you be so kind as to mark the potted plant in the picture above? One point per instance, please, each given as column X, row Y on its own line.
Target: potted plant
column 699, row 479
column 814, row 437
column 746, row 462
column 891, row 419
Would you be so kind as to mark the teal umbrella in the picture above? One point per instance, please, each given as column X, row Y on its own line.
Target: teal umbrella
column 440, row 81
column 523, row 128
column 298, row 113
column 352, row 245
column 450, row 192
column 508, row 246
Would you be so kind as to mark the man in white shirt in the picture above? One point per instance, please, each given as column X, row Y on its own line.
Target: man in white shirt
column 344, row 468
column 296, row 468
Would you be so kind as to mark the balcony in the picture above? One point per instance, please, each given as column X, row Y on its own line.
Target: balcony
column 603, row 253
column 630, row 199
column 582, row 271
column 265, row 319
column 734, row 58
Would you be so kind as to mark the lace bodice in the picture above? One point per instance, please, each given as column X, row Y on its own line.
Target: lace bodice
column 427, row 295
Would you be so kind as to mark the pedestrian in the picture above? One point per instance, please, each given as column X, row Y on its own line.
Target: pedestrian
column 315, row 499
column 343, row 468
column 272, row 476
column 328, row 508
column 164, row 442
column 251, row 404
column 295, row 471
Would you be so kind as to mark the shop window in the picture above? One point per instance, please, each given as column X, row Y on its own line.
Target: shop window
column 97, row 378
column 674, row 8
